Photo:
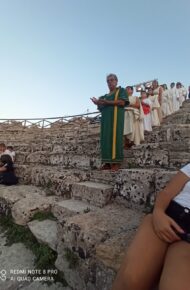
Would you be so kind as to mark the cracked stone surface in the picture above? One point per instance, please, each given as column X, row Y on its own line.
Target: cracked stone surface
column 45, row 232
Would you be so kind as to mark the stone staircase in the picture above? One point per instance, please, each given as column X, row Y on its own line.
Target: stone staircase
column 97, row 212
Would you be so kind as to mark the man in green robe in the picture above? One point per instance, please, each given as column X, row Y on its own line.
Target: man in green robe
column 112, row 106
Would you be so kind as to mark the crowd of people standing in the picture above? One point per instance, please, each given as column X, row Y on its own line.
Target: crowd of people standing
column 124, row 114
column 147, row 111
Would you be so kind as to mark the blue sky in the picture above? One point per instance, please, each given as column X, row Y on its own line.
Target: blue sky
column 55, row 54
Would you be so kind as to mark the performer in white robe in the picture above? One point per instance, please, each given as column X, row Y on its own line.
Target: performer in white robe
column 174, row 97
column 133, row 121
column 185, row 93
column 166, row 104
column 155, row 107
column 157, row 90
column 180, row 93
column 147, row 106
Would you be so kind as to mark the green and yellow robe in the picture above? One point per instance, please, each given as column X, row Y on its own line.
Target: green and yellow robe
column 112, row 124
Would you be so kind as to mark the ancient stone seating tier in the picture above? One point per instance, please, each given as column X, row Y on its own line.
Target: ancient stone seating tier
column 97, row 212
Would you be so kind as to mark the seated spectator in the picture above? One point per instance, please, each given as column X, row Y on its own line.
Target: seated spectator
column 7, row 175
column 10, row 151
column 160, row 252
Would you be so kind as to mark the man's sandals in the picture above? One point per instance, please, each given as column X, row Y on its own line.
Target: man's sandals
column 106, row 166
column 112, row 167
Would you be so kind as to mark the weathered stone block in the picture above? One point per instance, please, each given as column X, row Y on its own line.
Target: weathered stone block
column 57, row 148
column 135, row 188
column 12, row 194
column 178, row 159
column 15, row 257
column 24, row 209
column 104, row 277
column 145, row 155
column 70, row 207
column 182, row 145
column 57, row 180
column 103, row 176
column 45, row 232
column 39, row 157
column 21, row 147
column 107, row 222
column 156, row 136
column 162, row 177
column 181, row 132
column 112, row 251
column 21, row 157
column 80, row 276
column 72, row 161
column 181, row 116
column 24, row 173
column 97, row 194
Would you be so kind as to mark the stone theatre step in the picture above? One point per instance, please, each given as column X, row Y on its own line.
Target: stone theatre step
column 168, row 133
column 137, row 188
column 70, row 207
column 84, row 232
column 146, row 155
column 97, row 194
column 14, row 257
column 45, row 232
column 103, row 176
column 109, row 256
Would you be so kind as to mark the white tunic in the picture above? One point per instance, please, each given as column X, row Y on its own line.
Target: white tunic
column 175, row 99
column 154, row 111
column 166, row 104
column 133, row 122
column 147, row 118
column 183, row 198
column 182, row 94
column 156, row 92
column 181, row 97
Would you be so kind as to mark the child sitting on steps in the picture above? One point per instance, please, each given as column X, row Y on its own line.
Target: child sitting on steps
column 7, row 175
